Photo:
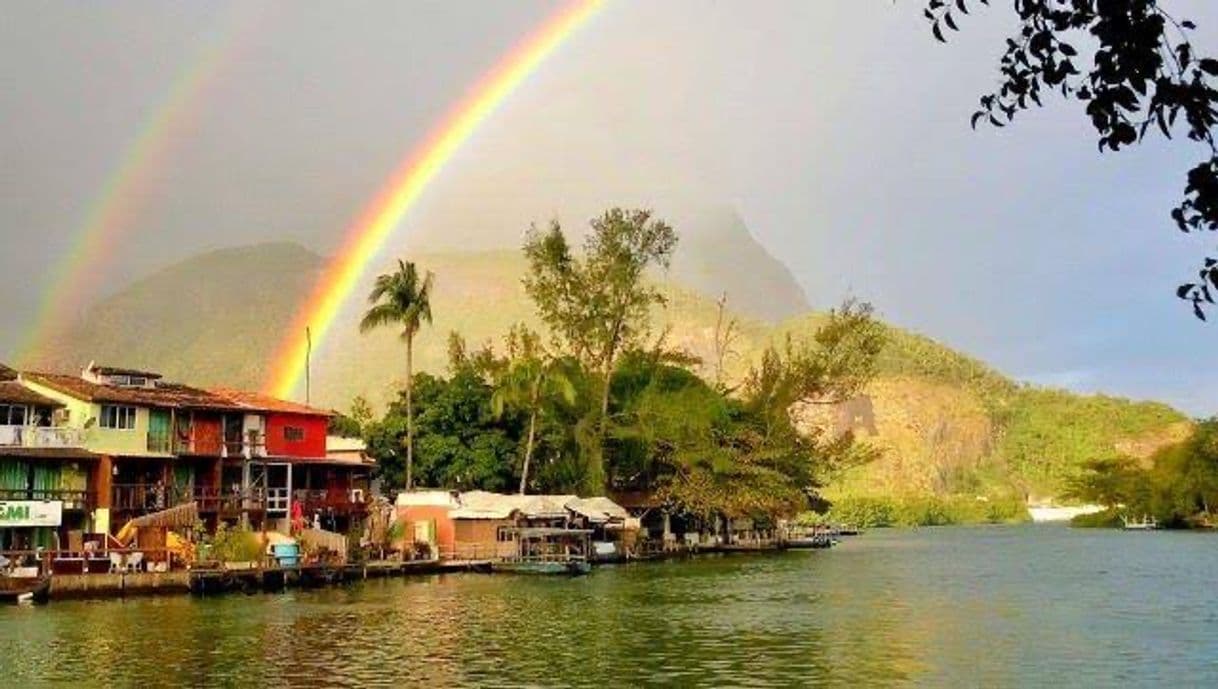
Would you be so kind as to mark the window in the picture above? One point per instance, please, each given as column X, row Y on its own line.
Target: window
column 293, row 434
column 12, row 415
column 117, row 417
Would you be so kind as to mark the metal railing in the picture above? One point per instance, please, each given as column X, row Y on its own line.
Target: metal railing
column 41, row 436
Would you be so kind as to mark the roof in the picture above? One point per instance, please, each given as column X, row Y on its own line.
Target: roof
column 12, row 392
column 599, row 509
column 7, row 373
column 431, row 498
column 479, row 504
column 170, row 395
column 118, row 371
column 337, row 443
column 256, row 401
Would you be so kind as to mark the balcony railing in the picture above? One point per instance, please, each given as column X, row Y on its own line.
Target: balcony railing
column 145, row 498
column 41, row 436
column 336, row 500
column 159, row 442
column 215, row 500
column 253, row 447
column 71, row 499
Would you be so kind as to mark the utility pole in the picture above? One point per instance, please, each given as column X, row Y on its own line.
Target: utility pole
column 308, row 364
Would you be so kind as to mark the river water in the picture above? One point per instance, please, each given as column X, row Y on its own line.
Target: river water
column 957, row 607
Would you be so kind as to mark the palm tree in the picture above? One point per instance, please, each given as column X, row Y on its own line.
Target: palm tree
column 402, row 298
column 527, row 383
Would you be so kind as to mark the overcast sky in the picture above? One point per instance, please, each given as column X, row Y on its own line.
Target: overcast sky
column 839, row 130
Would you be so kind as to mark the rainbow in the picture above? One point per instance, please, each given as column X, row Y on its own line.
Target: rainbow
column 110, row 212
column 365, row 238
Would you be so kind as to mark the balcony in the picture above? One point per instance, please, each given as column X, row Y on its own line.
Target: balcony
column 41, row 437
column 145, row 498
column 159, row 443
column 71, row 499
column 335, row 500
column 229, row 502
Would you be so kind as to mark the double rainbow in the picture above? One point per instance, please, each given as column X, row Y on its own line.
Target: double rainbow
column 368, row 234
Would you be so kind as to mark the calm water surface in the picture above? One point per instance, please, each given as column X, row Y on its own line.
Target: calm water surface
column 956, row 607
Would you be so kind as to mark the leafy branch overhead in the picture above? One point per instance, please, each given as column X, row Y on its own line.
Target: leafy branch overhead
column 1143, row 77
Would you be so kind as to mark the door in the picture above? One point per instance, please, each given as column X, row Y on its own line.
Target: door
column 158, row 430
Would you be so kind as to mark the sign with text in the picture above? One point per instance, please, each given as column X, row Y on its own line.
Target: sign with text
column 30, row 513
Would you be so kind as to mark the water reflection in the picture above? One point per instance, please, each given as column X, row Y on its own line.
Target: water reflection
column 960, row 607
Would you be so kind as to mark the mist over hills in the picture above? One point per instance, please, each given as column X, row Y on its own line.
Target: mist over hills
column 947, row 422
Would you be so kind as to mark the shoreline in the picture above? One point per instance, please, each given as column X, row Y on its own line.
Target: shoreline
column 214, row 582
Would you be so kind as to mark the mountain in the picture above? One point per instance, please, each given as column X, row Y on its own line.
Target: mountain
column 948, row 423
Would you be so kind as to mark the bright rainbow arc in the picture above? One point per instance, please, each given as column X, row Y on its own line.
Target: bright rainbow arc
column 368, row 234
column 111, row 210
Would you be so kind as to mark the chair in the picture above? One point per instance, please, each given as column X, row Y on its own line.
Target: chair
column 116, row 563
column 134, row 560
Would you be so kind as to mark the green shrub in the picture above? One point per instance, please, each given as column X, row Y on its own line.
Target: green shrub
column 872, row 512
column 235, row 545
column 1108, row 519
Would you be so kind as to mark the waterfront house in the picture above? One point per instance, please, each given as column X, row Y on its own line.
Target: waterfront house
column 47, row 478
column 331, row 487
column 426, row 518
column 476, row 525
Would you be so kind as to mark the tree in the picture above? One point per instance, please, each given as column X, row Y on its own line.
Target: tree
column 532, row 377
column 597, row 305
column 1143, row 76
column 402, row 298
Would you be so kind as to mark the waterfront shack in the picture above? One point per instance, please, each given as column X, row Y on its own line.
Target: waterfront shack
column 426, row 519
column 612, row 530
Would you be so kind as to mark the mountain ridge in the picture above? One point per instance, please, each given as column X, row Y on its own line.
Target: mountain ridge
column 947, row 422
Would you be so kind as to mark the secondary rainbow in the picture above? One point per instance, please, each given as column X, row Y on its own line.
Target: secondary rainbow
column 111, row 211
column 368, row 234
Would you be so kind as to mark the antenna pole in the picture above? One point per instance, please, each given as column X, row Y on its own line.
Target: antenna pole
column 308, row 362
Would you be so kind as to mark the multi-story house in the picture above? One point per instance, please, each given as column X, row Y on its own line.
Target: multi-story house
column 147, row 445
column 302, row 475
column 47, row 478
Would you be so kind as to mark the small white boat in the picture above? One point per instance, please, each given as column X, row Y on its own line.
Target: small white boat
column 1146, row 524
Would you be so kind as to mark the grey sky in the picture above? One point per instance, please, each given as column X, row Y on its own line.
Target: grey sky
column 838, row 129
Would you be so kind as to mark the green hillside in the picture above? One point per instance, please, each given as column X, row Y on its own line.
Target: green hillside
column 948, row 423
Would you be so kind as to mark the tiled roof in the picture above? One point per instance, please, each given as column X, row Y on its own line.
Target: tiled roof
column 167, row 395
column 7, row 373
column 12, row 392
column 256, row 401
column 170, row 396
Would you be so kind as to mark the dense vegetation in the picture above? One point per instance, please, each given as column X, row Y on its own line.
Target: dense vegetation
column 1178, row 486
column 631, row 413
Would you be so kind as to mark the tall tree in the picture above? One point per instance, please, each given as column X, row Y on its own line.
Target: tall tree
column 532, row 377
column 1143, row 75
column 402, row 298
column 598, row 305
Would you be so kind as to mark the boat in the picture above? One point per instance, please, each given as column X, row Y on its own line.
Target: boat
column 1146, row 524
column 809, row 538
column 20, row 589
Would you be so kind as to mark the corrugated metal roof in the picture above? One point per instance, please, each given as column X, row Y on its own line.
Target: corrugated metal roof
column 598, row 509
